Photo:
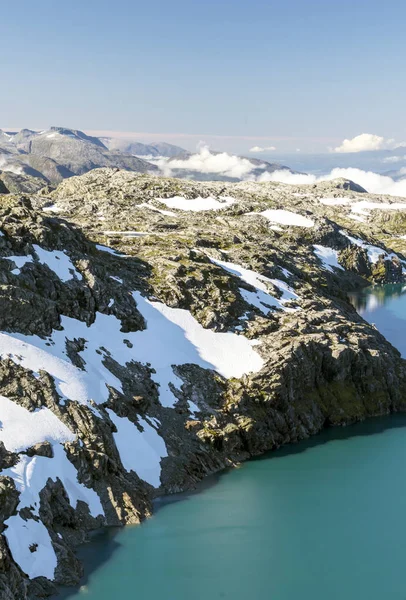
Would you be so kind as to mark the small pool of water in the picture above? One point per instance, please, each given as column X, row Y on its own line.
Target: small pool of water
column 385, row 306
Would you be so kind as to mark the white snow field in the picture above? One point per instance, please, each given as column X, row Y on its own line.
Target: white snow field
column 172, row 337
column 197, row 204
column 20, row 536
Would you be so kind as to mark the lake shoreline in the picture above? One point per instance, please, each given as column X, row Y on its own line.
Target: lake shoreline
column 369, row 426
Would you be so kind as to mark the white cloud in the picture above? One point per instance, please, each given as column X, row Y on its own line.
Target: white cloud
column 285, row 176
column 262, row 148
column 372, row 182
column 5, row 165
column 207, row 162
column 366, row 142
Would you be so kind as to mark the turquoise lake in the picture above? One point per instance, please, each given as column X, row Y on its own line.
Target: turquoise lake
column 321, row 520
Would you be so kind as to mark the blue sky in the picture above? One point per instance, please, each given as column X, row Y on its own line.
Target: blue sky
column 301, row 74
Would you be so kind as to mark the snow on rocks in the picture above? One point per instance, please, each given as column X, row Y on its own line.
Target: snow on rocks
column 29, row 540
column 261, row 298
column 31, row 474
column 56, row 260
column 21, row 428
column 364, row 207
column 53, row 208
column 374, row 252
column 285, row 217
column 140, row 452
column 19, row 261
column 328, row 256
column 25, row 536
column 197, row 204
column 358, row 218
column 110, row 251
column 172, row 337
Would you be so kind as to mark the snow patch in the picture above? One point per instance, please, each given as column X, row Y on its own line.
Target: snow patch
column 285, row 217
column 52, row 208
column 261, row 298
column 110, row 251
column 334, row 201
column 21, row 428
column 30, row 476
column 197, row 204
column 20, row 536
column 56, row 260
column 328, row 256
column 140, row 452
column 374, row 252
column 364, row 206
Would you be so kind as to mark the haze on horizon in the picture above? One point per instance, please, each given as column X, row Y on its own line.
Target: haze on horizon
column 303, row 75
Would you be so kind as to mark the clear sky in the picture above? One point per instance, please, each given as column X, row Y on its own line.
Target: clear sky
column 294, row 74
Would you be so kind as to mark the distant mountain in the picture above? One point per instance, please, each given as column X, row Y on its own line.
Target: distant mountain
column 59, row 152
column 5, row 137
column 147, row 150
column 39, row 158
column 80, row 153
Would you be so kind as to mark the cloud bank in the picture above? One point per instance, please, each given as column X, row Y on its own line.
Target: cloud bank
column 238, row 167
column 6, row 165
column 366, row 142
column 372, row 182
column 205, row 161
column 262, row 149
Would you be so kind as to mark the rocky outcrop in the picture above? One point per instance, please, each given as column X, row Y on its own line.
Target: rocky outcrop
column 147, row 342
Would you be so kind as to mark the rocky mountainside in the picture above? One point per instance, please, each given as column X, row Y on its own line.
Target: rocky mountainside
column 40, row 158
column 154, row 331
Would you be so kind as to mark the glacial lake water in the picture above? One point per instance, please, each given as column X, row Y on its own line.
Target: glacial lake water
column 321, row 520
